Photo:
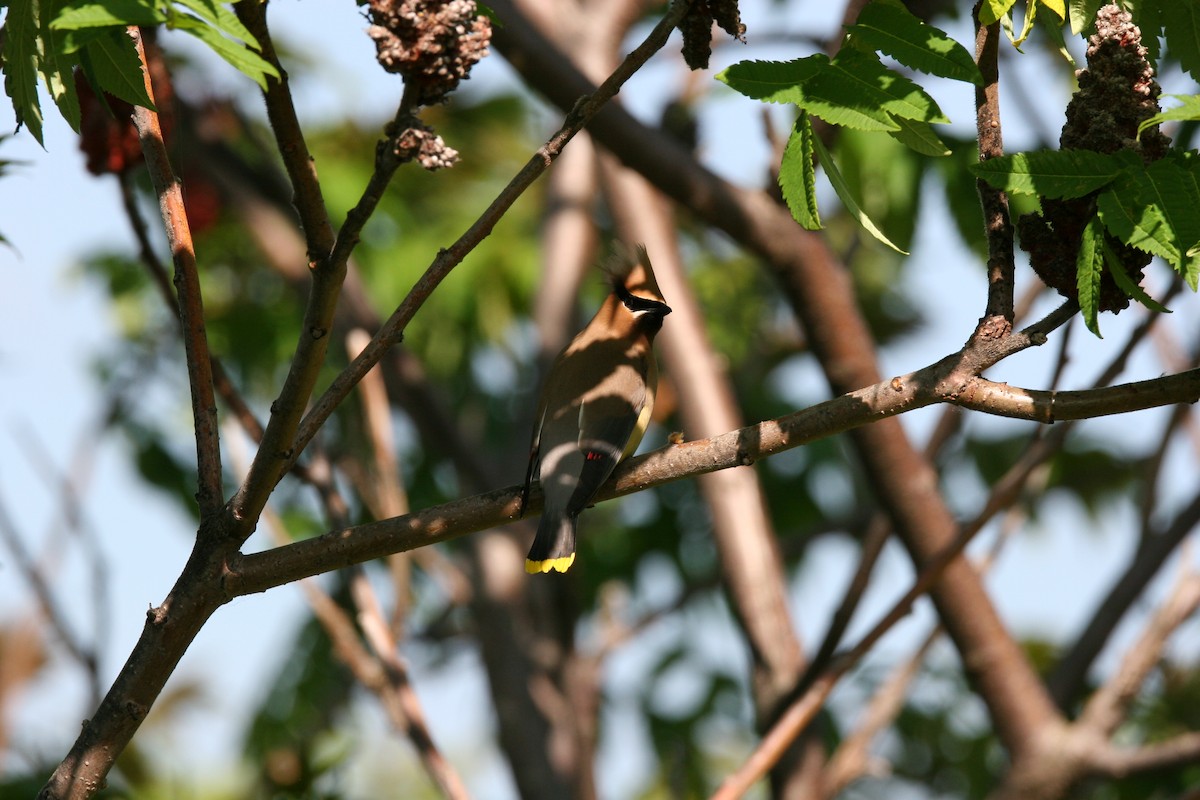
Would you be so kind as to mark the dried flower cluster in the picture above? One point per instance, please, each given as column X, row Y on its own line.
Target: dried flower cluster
column 432, row 43
column 417, row 142
column 696, row 27
column 1116, row 93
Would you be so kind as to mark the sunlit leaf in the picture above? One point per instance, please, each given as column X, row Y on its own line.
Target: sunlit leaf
column 108, row 13
column 797, row 175
column 919, row 136
column 113, row 61
column 245, row 60
column 20, row 65
column 1127, row 285
column 1187, row 111
column 1089, row 269
column 1082, row 14
column 773, row 81
column 1050, row 173
column 1135, row 223
column 1058, row 7
column 858, row 82
column 222, row 18
column 991, row 11
column 894, row 30
column 845, row 195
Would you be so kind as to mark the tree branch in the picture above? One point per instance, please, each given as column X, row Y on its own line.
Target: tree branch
column 581, row 113
column 998, row 318
column 187, row 284
column 261, row 571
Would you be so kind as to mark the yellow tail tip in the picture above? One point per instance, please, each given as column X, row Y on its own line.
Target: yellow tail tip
column 546, row 565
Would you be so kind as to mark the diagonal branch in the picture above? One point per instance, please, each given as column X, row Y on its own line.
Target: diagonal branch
column 582, row 111
column 261, row 571
column 187, row 284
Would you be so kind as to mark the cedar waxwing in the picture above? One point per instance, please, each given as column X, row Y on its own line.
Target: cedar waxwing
column 594, row 408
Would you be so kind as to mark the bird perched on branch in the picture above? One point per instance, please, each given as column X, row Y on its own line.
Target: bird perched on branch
column 595, row 406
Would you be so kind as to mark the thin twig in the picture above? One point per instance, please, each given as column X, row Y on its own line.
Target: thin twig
column 1107, row 708
column 293, row 149
column 187, row 284
column 392, row 330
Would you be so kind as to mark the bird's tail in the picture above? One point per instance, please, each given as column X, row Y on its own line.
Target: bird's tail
column 554, row 546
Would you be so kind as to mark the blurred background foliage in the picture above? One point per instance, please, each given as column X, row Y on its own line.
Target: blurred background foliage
column 477, row 344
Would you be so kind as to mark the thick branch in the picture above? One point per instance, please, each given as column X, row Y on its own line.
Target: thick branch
column 997, row 225
column 261, row 571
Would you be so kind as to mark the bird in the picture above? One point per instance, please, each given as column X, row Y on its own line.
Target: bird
column 594, row 407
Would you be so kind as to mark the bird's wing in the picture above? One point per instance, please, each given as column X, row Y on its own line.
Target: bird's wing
column 606, row 422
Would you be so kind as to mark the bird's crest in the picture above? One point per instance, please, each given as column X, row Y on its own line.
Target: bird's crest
column 630, row 272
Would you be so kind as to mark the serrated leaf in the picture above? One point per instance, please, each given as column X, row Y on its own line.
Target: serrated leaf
column 1135, row 223
column 108, row 13
column 893, row 30
column 58, row 73
column 1187, row 111
column 1050, row 173
column 20, row 65
column 1126, row 284
column 992, row 11
column 1181, row 23
column 245, row 60
column 1082, row 14
column 858, row 84
column 797, row 175
column 919, row 136
column 114, row 64
column 1170, row 185
column 222, row 18
column 1089, row 269
column 773, row 81
column 847, row 198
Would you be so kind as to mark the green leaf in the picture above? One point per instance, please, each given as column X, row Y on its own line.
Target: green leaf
column 1126, row 284
column 108, row 13
column 1058, row 7
column 892, row 29
column 1050, row 173
column 773, row 81
column 1082, row 14
column 857, row 85
column 1181, row 22
column 991, row 11
column 797, row 175
column 113, row 61
column 843, row 193
column 222, row 18
column 1054, row 33
column 20, row 65
column 1031, row 8
column 1089, row 269
column 1171, row 186
column 58, row 73
column 919, row 136
column 1135, row 223
column 1187, row 111
column 245, row 60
